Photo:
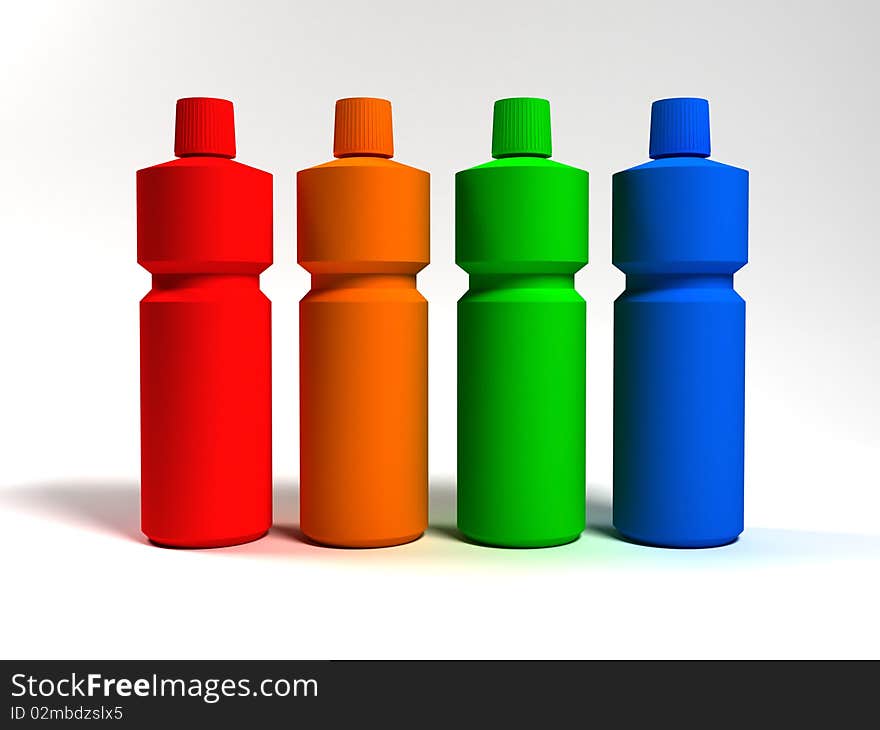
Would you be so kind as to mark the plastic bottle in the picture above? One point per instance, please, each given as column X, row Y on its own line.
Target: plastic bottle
column 680, row 231
column 363, row 234
column 521, row 234
column 205, row 234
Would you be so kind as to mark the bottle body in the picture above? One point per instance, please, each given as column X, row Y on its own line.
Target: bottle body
column 363, row 235
column 521, row 412
column 205, row 233
column 680, row 233
column 521, row 234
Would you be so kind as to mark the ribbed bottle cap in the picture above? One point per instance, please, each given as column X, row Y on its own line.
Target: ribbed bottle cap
column 204, row 127
column 363, row 128
column 521, row 128
column 679, row 128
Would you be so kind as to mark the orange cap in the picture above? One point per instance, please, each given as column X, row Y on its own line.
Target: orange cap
column 363, row 128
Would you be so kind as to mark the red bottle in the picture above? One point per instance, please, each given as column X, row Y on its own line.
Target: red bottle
column 205, row 234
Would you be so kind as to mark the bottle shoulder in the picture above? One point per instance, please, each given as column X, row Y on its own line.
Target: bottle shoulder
column 220, row 164
column 687, row 165
column 346, row 164
column 522, row 164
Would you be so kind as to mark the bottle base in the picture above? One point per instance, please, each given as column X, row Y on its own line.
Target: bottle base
column 501, row 542
column 205, row 544
column 683, row 544
column 362, row 544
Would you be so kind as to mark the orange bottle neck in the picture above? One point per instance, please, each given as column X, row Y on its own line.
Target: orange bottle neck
column 363, row 281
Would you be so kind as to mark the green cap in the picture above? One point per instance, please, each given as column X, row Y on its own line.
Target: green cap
column 521, row 128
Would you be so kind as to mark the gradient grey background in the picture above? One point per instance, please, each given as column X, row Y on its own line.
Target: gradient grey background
column 88, row 98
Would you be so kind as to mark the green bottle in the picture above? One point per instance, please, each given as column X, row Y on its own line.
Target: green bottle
column 521, row 234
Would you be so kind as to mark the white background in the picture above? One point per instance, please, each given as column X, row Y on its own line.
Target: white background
column 88, row 92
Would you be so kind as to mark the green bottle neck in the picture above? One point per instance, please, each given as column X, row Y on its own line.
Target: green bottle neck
column 482, row 282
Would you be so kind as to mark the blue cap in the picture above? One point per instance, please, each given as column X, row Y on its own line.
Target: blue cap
column 679, row 128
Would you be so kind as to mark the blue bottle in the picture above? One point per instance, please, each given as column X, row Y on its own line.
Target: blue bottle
column 680, row 232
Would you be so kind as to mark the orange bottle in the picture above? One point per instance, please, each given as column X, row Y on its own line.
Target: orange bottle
column 363, row 235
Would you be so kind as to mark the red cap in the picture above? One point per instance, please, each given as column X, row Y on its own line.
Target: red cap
column 204, row 127
column 363, row 128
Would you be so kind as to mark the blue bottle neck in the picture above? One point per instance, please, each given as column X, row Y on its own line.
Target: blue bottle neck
column 644, row 282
